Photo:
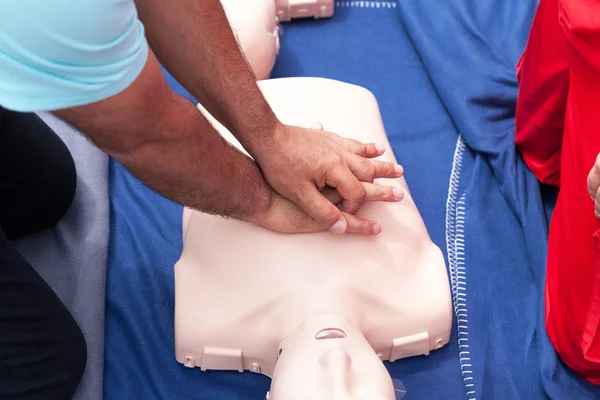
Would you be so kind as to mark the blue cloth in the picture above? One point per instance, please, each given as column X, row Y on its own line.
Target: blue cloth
column 64, row 53
column 437, row 69
column 498, row 213
column 365, row 45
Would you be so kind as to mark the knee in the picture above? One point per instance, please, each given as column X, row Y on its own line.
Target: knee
column 61, row 184
column 51, row 369
column 78, row 358
column 47, row 191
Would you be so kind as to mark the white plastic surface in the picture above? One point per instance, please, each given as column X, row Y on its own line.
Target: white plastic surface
column 294, row 9
column 242, row 290
column 254, row 23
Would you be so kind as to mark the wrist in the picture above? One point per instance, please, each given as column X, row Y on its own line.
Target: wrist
column 256, row 128
column 262, row 207
column 265, row 142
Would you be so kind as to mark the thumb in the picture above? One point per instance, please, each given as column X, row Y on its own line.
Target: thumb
column 325, row 213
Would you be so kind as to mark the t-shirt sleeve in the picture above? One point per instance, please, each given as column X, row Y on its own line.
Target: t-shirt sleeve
column 57, row 54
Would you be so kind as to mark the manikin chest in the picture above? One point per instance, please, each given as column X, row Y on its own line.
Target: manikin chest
column 241, row 290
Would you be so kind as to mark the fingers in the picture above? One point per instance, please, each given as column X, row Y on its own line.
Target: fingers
column 351, row 224
column 593, row 185
column 382, row 193
column 319, row 208
column 332, row 195
column 355, row 224
column 597, row 203
column 346, row 179
column 368, row 150
column 374, row 193
column 593, row 180
column 387, row 169
column 368, row 170
column 350, row 188
column 361, row 225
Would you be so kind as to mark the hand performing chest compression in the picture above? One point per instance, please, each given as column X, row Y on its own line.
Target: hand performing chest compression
column 322, row 180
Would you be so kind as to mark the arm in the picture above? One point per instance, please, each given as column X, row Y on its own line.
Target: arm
column 195, row 43
column 165, row 141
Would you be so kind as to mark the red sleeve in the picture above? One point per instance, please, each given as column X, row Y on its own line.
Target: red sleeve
column 543, row 74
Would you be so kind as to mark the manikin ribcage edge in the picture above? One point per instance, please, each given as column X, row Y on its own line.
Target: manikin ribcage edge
column 240, row 289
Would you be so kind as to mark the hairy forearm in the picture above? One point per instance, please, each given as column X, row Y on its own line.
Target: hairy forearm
column 191, row 164
column 193, row 40
column 169, row 145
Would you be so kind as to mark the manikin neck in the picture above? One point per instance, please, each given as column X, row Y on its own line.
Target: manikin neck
column 317, row 326
column 327, row 357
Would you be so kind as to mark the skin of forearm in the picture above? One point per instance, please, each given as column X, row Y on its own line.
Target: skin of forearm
column 170, row 146
column 194, row 42
column 201, row 171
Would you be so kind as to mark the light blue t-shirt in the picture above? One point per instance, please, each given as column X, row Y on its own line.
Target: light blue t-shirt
column 63, row 53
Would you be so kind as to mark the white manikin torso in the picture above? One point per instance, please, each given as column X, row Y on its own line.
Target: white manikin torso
column 241, row 290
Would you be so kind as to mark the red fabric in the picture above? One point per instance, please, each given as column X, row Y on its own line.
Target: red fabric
column 558, row 134
column 543, row 74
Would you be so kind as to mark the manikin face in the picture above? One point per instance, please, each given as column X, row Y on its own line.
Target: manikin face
column 327, row 358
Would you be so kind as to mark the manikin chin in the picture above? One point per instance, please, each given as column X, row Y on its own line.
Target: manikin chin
column 318, row 313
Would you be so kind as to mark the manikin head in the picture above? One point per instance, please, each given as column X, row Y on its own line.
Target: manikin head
column 254, row 23
column 327, row 358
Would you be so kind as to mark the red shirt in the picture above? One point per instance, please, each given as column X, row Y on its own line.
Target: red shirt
column 558, row 134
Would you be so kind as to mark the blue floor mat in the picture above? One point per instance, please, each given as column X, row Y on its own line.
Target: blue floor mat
column 386, row 47
column 498, row 213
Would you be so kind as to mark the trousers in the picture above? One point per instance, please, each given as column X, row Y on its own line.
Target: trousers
column 558, row 135
column 42, row 349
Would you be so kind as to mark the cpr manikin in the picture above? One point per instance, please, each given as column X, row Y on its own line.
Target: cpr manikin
column 293, row 9
column 254, row 23
column 315, row 312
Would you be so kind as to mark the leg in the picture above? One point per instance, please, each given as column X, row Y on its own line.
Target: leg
column 37, row 175
column 42, row 349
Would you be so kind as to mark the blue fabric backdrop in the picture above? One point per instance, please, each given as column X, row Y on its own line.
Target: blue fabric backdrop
column 435, row 68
